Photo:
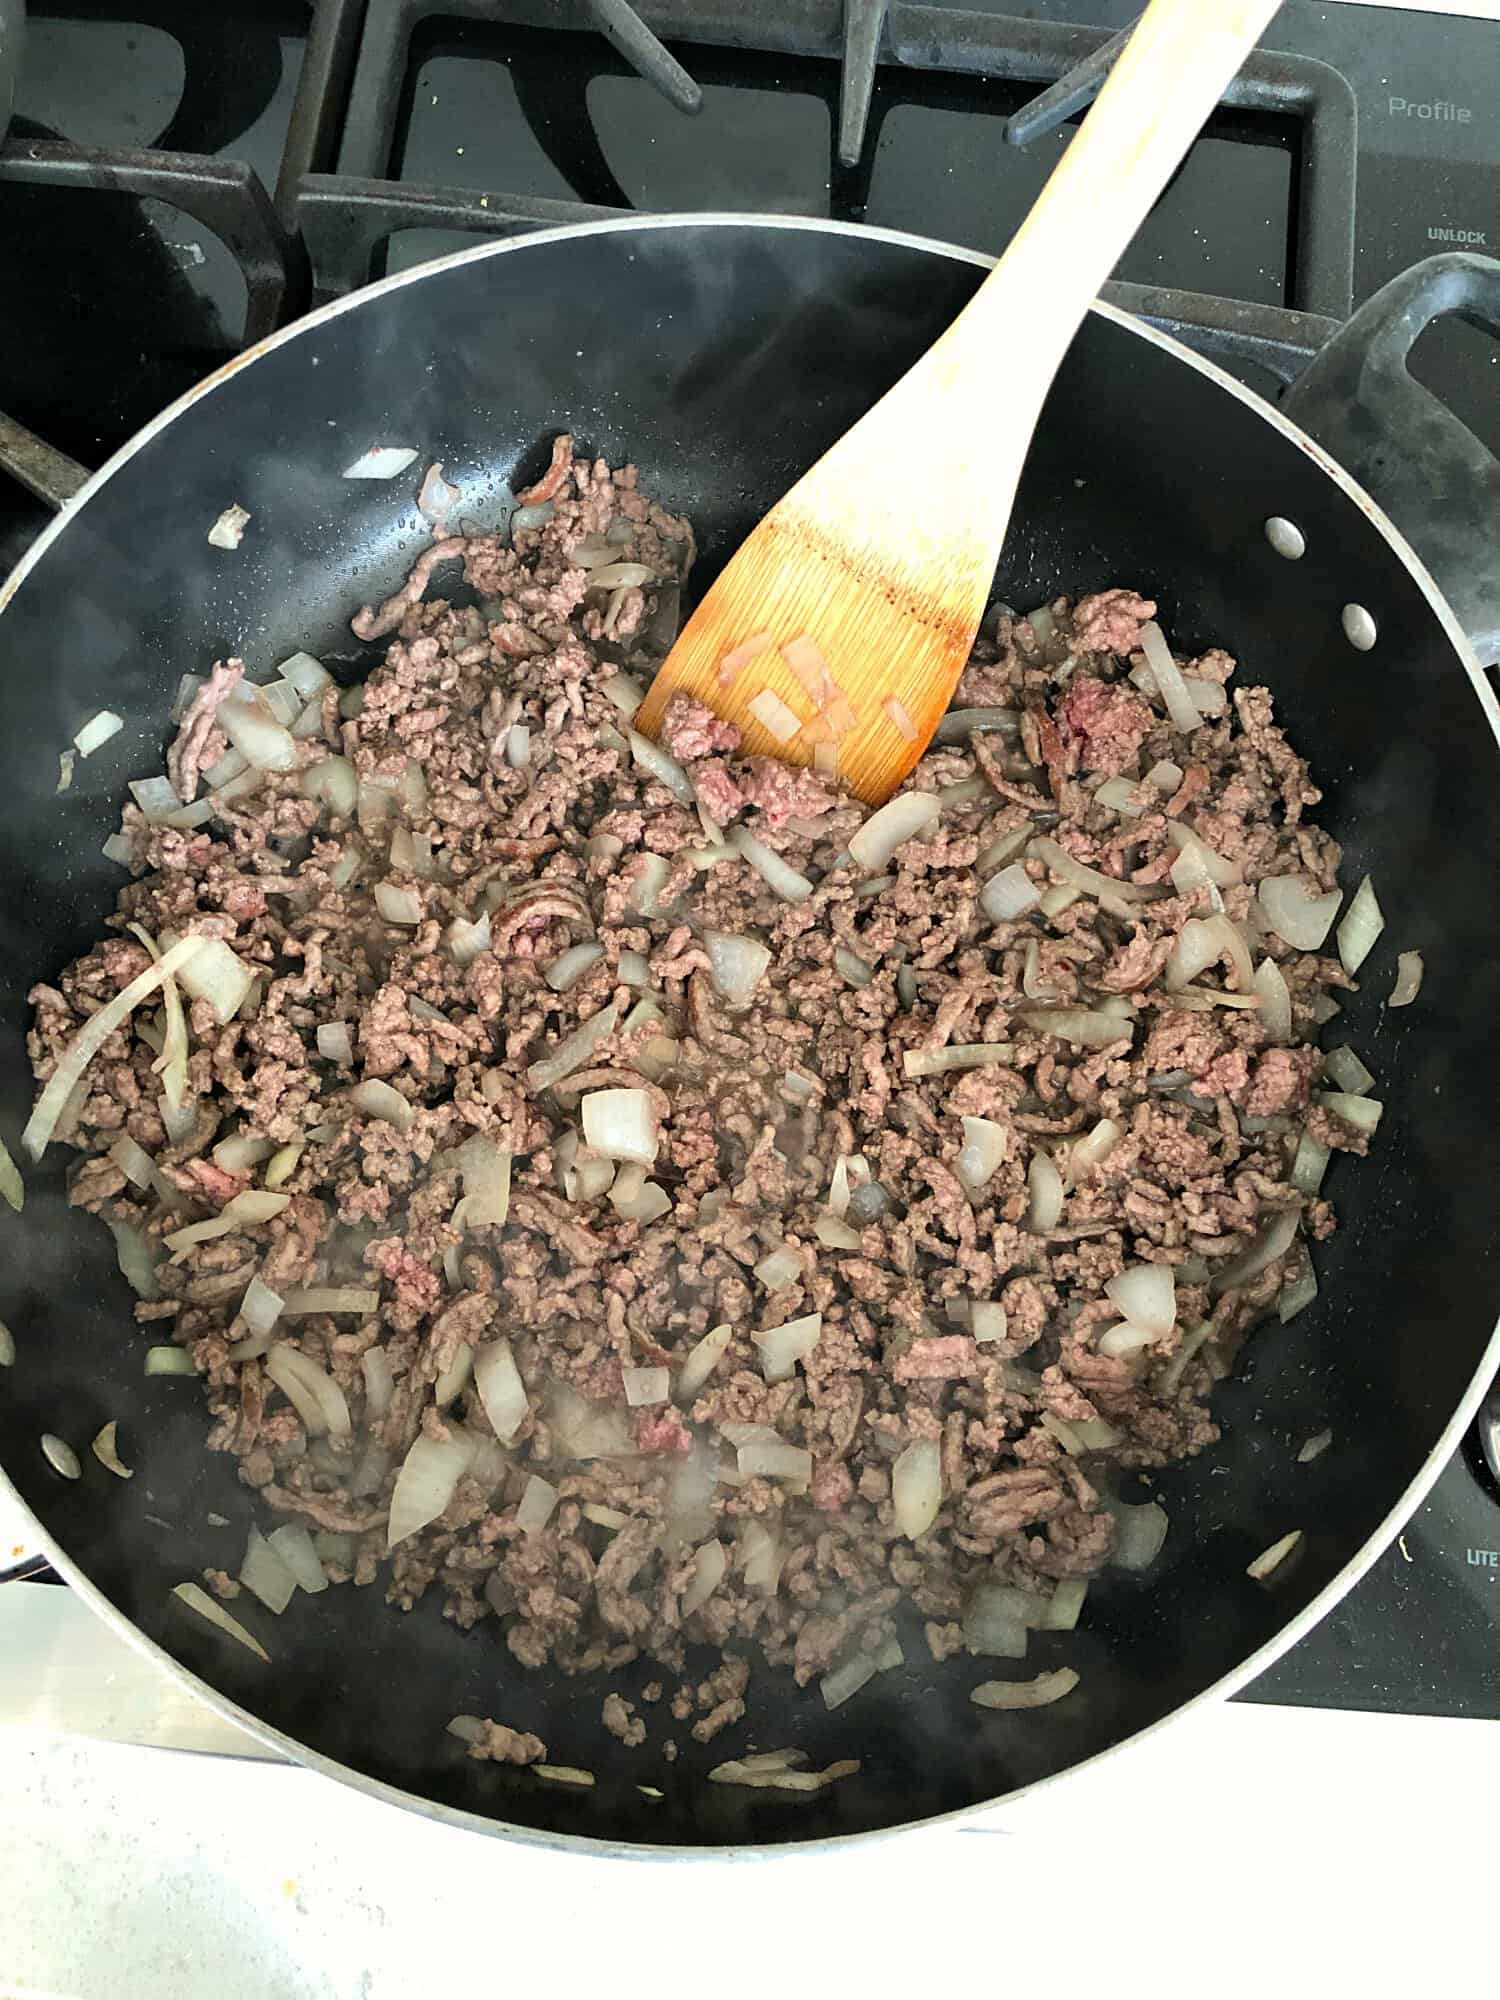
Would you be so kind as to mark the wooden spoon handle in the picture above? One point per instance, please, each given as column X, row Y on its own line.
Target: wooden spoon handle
column 1168, row 78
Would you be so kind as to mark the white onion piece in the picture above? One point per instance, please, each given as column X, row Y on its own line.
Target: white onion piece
column 621, row 1125
column 645, row 1386
column 1202, row 862
column 1175, row 694
column 1363, row 1113
column 769, row 1458
column 896, row 822
column 218, row 975
column 782, row 1347
column 312, row 1391
column 91, row 1037
column 702, row 1359
column 988, row 1320
column 1009, row 894
column 846, row 1679
column 534, row 1509
column 780, row 1268
column 656, row 763
column 398, row 905
column 335, row 1044
column 1091, row 1029
column 304, row 1299
column 308, row 676
column 1345, row 1069
column 172, row 1361
column 264, row 1574
column 1040, row 1693
column 983, row 1152
column 1362, row 924
column 104, row 1449
column 380, row 1385
column 1272, row 1242
column 239, row 1153
column 1065, row 1604
column 634, row 1199
column 956, row 1055
column 991, row 1625
column 1310, row 1165
column 1095, row 1147
column 917, row 1487
column 265, row 743
column 741, row 655
column 486, row 1167
column 1315, row 1447
column 1004, row 847
column 773, row 715
column 709, row 1564
column 603, row 1517
column 156, row 797
column 1122, row 795
column 779, row 875
column 736, row 964
column 118, row 848
column 518, row 746
column 1045, row 1183
column 1297, row 1295
column 501, row 1389
column 97, row 731
column 836, row 1235
column 280, row 699
column 1118, row 1343
column 426, row 1483
column 136, row 1165
column 332, row 782
column 294, row 1545
column 377, row 1099
column 1146, row 1294
column 1208, row 697
column 228, row 530
column 1275, row 1001
column 260, row 1307
column 466, row 941
column 573, row 1051
column 381, row 461
column 569, row 966
column 455, row 1376
column 196, row 1598
column 1409, row 970
column 1108, row 892
column 1139, row 1535
column 1296, row 911
column 135, row 1253
column 1272, row 1558
column 633, row 969
column 1165, row 776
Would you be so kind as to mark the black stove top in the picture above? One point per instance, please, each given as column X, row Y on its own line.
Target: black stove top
column 174, row 186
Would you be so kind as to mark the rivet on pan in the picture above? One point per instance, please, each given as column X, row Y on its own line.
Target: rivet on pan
column 1286, row 538
column 1359, row 627
column 60, row 1456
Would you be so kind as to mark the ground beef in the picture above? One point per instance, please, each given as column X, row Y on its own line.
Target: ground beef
column 500, row 1745
column 765, row 1118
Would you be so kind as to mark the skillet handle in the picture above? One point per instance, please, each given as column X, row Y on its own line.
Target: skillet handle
column 1436, row 480
column 50, row 475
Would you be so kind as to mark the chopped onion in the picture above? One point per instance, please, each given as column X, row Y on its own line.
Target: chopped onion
column 1009, row 894
column 1122, row 795
column 1198, row 863
column 990, row 1624
column 702, row 1359
column 466, row 941
column 604, row 1517
column 709, row 1564
column 311, row 1390
column 836, row 1235
column 335, row 1044
column 229, row 528
column 644, row 1386
column 501, row 1389
column 250, row 725
column 1045, row 1183
column 380, row 1385
column 1165, row 776
column 1310, row 1165
column 1363, row 1113
column 1344, row 1067
column 1362, row 924
column 218, row 975
column 1090, row 1029
column 1409, row 969
column 1040, row 1693
column 772, row 713
column 961, row 723
column 1118, row 1343
column 426, row 1483
column 14, row 1190
column 957, row 1055
column 294, row 1545
column 780, row 875
column 104, row 1450
column 1296, row 911
column 633, row 1197
column 562, row 1774
column 1272, row 1242
column 769, row 1458
column 633, row 969
column 486, row 1167
column 375, row 1098
column 574, row 1051
column 917, row 1487
column 169, row 1361
column 777, row 1777
column 308, row 676
column 196, row 1598
column 988, row 1321
column 782, row 1347
column 534, row 1509
column 156, row 797
column 1112, row 895
column 118, row 849
column 984, row 1149
column 900, row 719
column 779, row 1268
column 381, row 461
column 740, row 656
column 847, row 1679
column 656, row 763
column 304, row 1299
column 265, row 1574
column 1176, row 695
column 1139, row 1535
column 333, row 782
column 1314, row 1447
column 1272, row 1558
column 260, row 1307
column 570, row 965
column 398, row 905
column 92, row 1036
column 454, row 1377
column 97, row 731
column 621, row 1124
column 1146, row 1294
column 736, row 964
column 896, row 822
column 1004, row 847
column 1275, row 1001
column 1297, row 1295
column 237, row 1154
column 1095, row 1147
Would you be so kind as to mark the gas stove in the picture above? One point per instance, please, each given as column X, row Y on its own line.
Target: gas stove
column 174, row 187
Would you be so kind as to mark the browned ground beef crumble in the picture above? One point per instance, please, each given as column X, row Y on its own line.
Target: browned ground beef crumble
column 555, row 851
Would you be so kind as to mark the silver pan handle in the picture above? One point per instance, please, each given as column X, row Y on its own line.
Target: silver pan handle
column 50, row 475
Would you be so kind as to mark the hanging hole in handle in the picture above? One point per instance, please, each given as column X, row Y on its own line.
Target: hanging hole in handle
column 1360, row 628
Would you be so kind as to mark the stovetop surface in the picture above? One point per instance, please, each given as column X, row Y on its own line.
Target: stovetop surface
column 114, row 304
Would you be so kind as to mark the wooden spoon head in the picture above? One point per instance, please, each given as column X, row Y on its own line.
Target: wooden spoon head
column 891, row 600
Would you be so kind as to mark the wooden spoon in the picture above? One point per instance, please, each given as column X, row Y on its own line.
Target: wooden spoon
column 881, row 559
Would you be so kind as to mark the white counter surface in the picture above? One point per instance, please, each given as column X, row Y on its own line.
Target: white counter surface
column 1246, row 1849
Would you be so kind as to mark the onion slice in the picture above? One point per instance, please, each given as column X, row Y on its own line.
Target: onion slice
column 97, row 731
column 1009, row 894
column 1409, row 970
column 900, row 819
column 702, row 1359
column 13, row 1188
column 782, row 1347
column 381, row 461
column 1039, row 1693
column 104, row 1450
column 310, row 1389
column 1045, row 1183
column 1170, row 684
column 788, row 882
column 621, row 1125
column 1362, row 924
column 501, row 1389
column 1146, row 1294
column 1111, row 894
column 196, row 1598
column 1271, row 1559
column 709, row 1565
column 228, row 530
column 426, row 1483
column 917, row 1487
column 1297, row 911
